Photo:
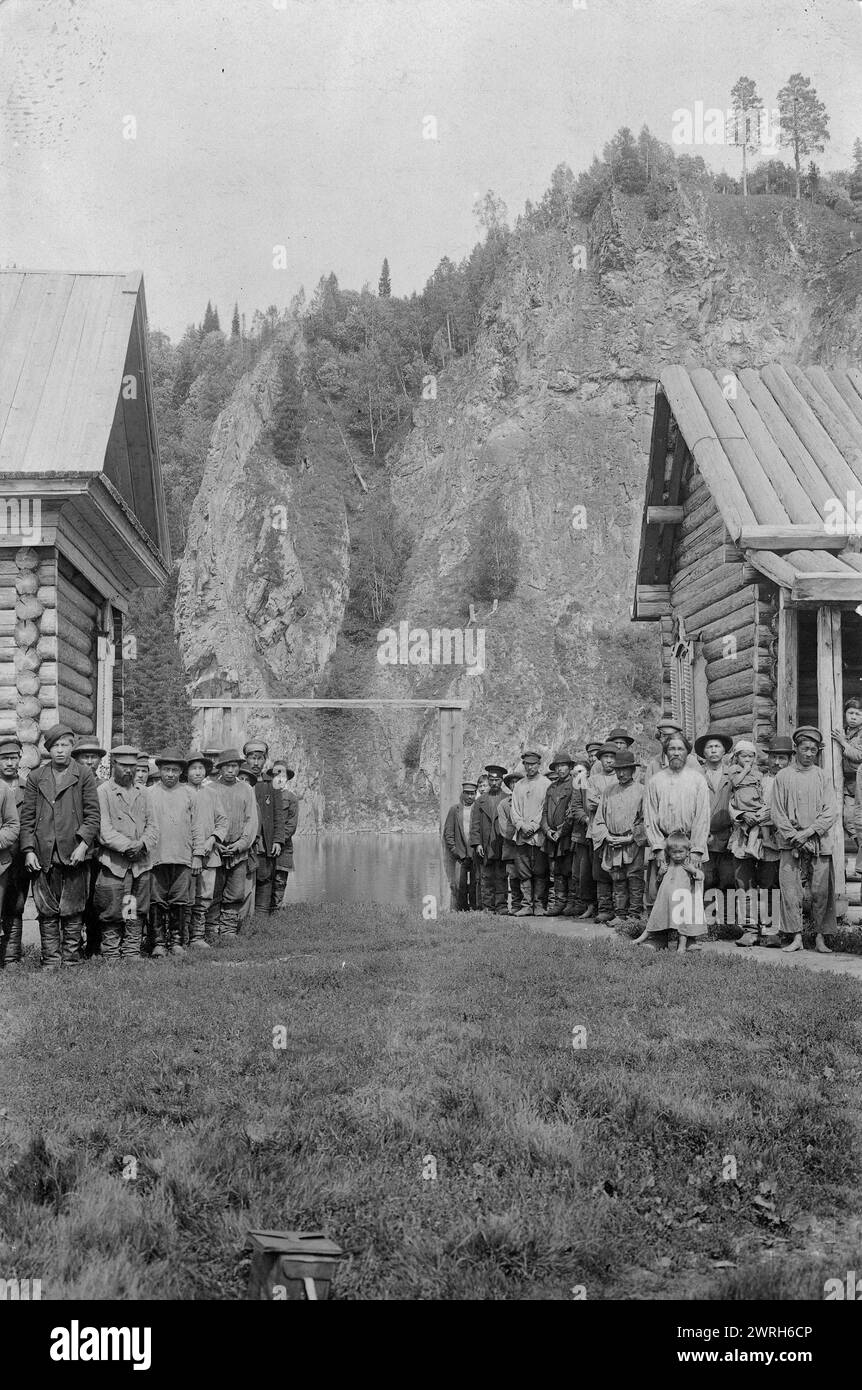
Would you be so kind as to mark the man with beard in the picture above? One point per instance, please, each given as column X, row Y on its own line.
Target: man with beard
column 460, row 866
column 804, row 810
column 528, row 804
column 59, row 822
column 487, row 843
column 557, row 823
column 676, row 798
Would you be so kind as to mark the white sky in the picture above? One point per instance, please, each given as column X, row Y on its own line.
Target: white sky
column 303, row 126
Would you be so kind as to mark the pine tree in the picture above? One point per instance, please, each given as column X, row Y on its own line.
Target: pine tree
column 747, row 106
column 288, row 419
column 210, row 322
column 234, row 323
column 384, row 288
column 804, row 122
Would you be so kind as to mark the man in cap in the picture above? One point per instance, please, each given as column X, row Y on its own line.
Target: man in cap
column 281, row 775
column 509, row 851
column 719, row 870
column 248, row 774
column 528, row 804
column 88, row 752
column 238, row 803
column 486, row 842
column 270, row 814
column 212, row 756
column 460, row 865
column 621, row 738
column 127, row 837
column 178, row 855
column 142, row 770
column 805, row 811
column 780, row 754
column 581, row 901
column 59, row 822
column 213, row 825
column 599, row 782
column 557, row 823
column 13, row 875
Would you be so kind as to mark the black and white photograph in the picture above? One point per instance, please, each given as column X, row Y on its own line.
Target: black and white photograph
column 431, row 666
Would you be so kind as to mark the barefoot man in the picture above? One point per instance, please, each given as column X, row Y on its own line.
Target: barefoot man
column 805, row 812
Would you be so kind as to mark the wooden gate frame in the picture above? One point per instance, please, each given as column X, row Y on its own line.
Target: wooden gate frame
column 451, row 714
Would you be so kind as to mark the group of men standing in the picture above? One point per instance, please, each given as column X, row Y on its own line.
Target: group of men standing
column 121, row 868
column 588, row 838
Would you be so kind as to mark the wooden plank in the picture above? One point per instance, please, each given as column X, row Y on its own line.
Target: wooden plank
column 700, row 515
column 831, row 417
column 827, row 588
column 32, row 395
column 741, row 620
column 664, row 516
column 451, row 771
column 834, row 469
column 789, row 538
column 843, row 387
column 750, row 707
column 842, row 400
column 649, row 543
column 788, row 441
column 773, row 566
column 787, row 683
column 739, row 684
column 790, row 491
column 743, row 462
column 706, row 449
column 829, row 719
column 753, row 659
column 744, row 642
column 15, row 351
column 330, row 704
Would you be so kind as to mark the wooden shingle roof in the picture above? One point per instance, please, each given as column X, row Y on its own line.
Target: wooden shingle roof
column 780, row 449
column 68, row 343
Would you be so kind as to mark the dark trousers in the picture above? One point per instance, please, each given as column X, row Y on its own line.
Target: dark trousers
column 493, row 885
column 514, row 883
column 754, row 877
column 532, row 864
column 583, row 885
column 628, row 887
column 814, row 872
column 603, row 881
column 719, row 871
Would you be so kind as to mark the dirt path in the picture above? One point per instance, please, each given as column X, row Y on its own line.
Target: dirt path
column 841, row 962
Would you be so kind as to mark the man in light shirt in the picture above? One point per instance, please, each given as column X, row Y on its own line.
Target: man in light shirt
column 528, row 803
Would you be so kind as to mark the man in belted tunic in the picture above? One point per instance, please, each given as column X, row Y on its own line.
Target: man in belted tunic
column 487, row 844
column 805, row 812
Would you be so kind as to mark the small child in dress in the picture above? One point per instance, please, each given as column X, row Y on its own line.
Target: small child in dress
column 679, row 900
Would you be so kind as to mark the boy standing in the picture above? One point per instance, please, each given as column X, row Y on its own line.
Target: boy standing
column 212, row 826
column 178, row 856
column 59, row 822
column 237, row 802
column 127, row 837
column 486, row 842
column 618, row 827
column 528, row 804
column 89, row 753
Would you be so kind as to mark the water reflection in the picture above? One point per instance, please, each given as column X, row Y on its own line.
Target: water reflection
column 372, row 867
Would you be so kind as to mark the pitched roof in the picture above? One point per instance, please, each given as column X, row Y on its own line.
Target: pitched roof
column 68, row 342
column 780, row 448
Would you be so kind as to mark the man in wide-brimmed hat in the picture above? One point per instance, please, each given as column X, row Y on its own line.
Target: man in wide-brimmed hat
column 13, row 875
column 719, row 869
column 460, row 867
column 59, row 822
column 557, row 823
column 178, row 856
column 618, row 832
column 486, row 842
column 599, row 783
column 238, row 803
column 128, row 834
column 213, row 826
column 805, row 813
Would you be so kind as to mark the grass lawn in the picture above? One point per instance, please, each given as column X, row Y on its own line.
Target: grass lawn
column 557, row 1166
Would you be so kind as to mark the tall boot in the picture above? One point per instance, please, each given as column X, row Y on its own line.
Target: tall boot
column 187, row 925
column 281, row 877
column 175, row 929
column 159, row 920
column 573, row 903
column 228, row 924
column 72, row 929
column 130, row 947
column 561, row 896
column 10, row 942
column 51, row 938
column 198, row 926
column 606, row 901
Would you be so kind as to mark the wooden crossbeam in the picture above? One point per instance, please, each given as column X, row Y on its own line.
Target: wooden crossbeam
column 827, row 588
column 789, row 538
column 664, row 516
column 329, row 704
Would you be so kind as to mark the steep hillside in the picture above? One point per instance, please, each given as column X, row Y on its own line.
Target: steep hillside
column 549, row 416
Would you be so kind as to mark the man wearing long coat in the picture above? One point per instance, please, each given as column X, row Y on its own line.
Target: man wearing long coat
column 487, row 843
column 460, row 864
column 59, row 822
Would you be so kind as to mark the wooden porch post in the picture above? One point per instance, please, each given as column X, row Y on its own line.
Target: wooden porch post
column 787, row 684
column 105, row 657
column 829, row 708
column 451, row 769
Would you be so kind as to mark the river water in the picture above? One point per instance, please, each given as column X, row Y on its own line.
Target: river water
column 370, row 867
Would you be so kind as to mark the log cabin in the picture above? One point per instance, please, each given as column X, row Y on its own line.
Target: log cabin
column 82, row 511
column 749, row 552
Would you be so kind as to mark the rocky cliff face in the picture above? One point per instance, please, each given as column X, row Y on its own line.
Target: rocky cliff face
column 549, row 416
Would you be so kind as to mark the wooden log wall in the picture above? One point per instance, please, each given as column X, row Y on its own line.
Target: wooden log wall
column 731, row 616
column 119, row 694
column 28, row 626
column 77, row 627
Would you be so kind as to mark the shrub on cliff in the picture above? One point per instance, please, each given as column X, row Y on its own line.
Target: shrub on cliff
column 288, row 420
column 494, row 557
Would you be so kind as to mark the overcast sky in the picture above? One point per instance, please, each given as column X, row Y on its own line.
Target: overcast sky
column 306, row 126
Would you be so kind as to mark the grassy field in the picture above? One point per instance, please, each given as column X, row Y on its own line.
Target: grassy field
column 557, row 1166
